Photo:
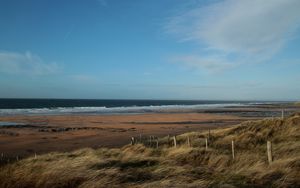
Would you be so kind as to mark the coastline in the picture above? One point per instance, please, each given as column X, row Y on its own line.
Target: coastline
column 67, row 132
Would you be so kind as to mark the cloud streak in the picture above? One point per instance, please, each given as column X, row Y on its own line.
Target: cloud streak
column 26, row 63
column 212, row 64
column 248, row 30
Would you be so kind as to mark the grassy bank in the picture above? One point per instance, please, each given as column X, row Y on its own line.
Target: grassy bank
column 167, row 166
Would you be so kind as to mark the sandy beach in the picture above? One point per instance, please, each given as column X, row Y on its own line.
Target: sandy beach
column 69, row 132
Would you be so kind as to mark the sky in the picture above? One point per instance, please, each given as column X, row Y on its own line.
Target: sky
column 150, row 49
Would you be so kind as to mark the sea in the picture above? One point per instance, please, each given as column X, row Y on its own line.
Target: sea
column 105, row 106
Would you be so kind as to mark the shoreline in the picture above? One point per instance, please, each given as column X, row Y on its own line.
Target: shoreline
column 134, row 109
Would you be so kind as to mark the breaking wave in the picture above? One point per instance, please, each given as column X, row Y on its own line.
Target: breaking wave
column 112, row 110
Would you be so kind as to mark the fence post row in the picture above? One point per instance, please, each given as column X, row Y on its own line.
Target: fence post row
column 155, row 140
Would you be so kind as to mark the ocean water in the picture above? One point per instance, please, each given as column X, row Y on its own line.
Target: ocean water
column 5, row 123
column 94, row 106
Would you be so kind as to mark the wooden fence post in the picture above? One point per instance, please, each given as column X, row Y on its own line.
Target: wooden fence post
column 206, row 144
column 175, row 142
column 282, row 114
column 132, row 140
column 188, row 141
column 140, row 138
column 168, row 140
column 151, row 141
column 35, row 155
column 232, row 149
column 269, row 152
column 157, row 143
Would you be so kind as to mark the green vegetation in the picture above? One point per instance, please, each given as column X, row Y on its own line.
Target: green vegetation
column 141, row 166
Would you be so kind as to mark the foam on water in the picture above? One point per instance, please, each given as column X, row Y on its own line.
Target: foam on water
column 111, row 110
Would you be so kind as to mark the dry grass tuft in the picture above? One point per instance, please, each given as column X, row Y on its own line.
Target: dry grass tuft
column 141, row 166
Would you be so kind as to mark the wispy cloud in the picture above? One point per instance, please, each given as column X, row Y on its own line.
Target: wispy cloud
column 249, row 30
column 26, row 63
column 212, row 64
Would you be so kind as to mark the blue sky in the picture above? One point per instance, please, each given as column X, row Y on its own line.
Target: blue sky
column 158, row 49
